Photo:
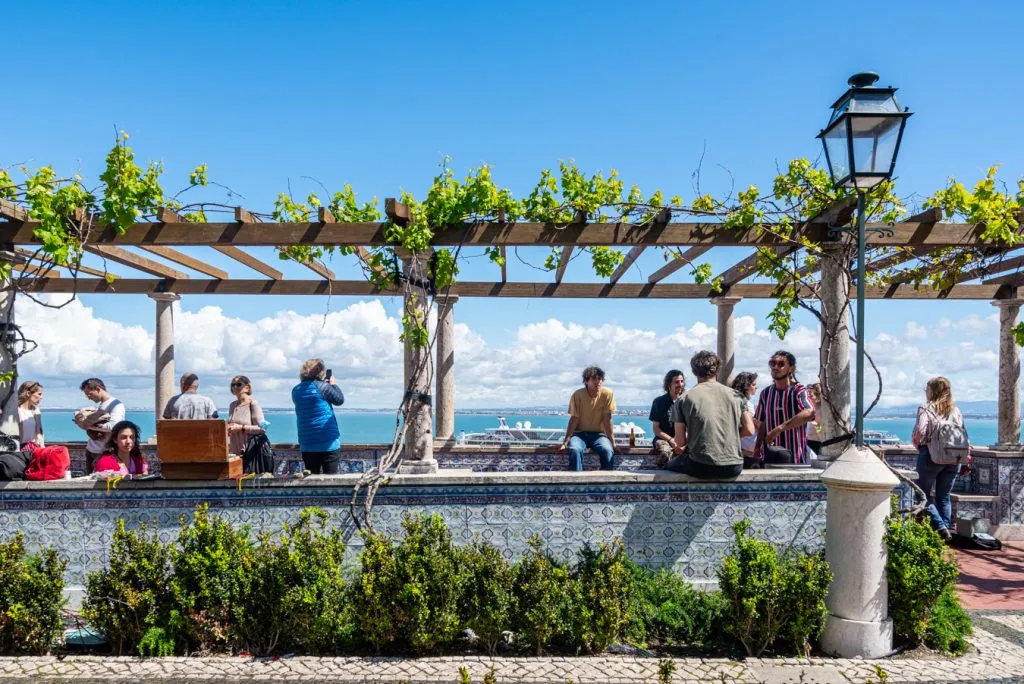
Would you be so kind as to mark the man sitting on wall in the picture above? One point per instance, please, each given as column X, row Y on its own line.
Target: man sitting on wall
column 190, row 405
column 661, row 416
column 112, row 412
column 709, row 421
column 590, row 421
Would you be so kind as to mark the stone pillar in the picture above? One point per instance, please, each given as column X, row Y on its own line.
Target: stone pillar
column 9, row 419
column 166, row 382
column 419, row 438
column 1009, row 373
column 834, row 353
column 445, row 346
column 726, row 336
column 858, row 623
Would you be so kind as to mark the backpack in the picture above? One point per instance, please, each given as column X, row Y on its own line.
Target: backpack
column 948, row 444
column 48, row 463
column 258, row 456
column 13, row 464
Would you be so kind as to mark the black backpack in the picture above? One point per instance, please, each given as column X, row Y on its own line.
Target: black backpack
column 259, row 455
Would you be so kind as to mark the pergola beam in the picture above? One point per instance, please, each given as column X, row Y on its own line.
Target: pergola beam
column 563, row 261
column 627, row 262
column 480, row 289
column 671, row 267
column 255, row 234
column 186, row 261
column 249, row 260
column 132, row 260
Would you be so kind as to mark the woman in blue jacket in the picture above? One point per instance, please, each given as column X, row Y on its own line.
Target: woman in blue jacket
column 315, row 397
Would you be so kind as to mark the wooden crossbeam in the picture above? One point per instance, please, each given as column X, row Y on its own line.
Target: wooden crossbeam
column 186, row 261
column 37, row 270
column 563, row 261
column 546, row 290
column 249, row 260
column 748, row 266
column 671, row 267
column 627, row 262
column 132, row 260
column 12, row 212
column 80, row 269
column 326, row 216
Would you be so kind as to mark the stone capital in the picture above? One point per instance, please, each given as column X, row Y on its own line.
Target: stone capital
column 726, row 301
column 444, row 300
column 859, row 469
column 164, row 296
column 1007, row 303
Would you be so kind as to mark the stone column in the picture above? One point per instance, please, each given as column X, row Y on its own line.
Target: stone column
column 1009, row 373
column 726, row 336
column 419, row 438
column 166, row 382
column 858, row 623
column 834, row 361
column 445, row 346
column 9, row 420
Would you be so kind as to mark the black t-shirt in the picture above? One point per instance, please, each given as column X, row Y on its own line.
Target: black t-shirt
column 661, row 411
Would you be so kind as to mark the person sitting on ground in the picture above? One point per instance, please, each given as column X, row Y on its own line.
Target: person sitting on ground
column 190, row 405
column 30, row 420
column 661, row 416
column 590, row 421
column 782, row 410
column 98, row 433
column 745, row 385
column 709, row 421
column 245, row 417
column 938, row 407
column 122, row 454
column 315, row 397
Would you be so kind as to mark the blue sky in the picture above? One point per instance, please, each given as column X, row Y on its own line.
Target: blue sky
column 374, row 94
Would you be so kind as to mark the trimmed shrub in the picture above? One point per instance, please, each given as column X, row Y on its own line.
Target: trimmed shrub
column 772, row 595
column 921, row 569
column 949, row 625
column 489, row 602
column 373, row 593
column 31, row 598
column 131, row 595
column 666, row 609
column 604, row 584
column 542, row 587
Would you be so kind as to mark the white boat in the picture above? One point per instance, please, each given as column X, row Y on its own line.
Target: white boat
column 881, row 438
column 524, row 434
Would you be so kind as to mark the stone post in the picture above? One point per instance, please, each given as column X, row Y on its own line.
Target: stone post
column 1009, row 373
column 164, row 367
column 419, row 438
column 858, row 623
column 445, row 346
column 9, row 421
column 726, row 336
column 834, row 354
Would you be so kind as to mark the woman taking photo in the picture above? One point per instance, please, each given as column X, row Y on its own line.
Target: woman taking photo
column 315, row 397
column 122, row 454
column 938, row 408
column 244, row 415
column 30, row 420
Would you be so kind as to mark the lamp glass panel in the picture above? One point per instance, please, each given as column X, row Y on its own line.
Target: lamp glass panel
column 874, row 142
column 875, row 103
column 838, row 152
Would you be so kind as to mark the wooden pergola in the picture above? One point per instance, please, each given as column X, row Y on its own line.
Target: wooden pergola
column 901, row 243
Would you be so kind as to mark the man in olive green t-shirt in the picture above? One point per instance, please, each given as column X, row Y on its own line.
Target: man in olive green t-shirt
column 590, row 421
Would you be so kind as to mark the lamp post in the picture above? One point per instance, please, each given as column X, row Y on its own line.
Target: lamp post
column 861, row 142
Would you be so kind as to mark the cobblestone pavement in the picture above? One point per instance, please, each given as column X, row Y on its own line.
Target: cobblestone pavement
column 999, row 657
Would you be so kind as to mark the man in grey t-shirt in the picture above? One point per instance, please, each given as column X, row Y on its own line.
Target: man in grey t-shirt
column 190, row 405
column 709, row 421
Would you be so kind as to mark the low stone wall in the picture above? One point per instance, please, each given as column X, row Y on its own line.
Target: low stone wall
column 664, row 519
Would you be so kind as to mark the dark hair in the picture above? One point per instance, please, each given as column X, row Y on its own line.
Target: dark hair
column 92, row 384
column 592, row 372
column 705, row 364
column 743, row 382
column 670, row 376
column 187, row 380
column 111, row 446
column 790, row 359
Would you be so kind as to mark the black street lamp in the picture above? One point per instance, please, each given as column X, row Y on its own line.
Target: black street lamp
column 861, row 142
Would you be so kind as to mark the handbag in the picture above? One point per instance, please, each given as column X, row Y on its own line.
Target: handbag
column 777, row 454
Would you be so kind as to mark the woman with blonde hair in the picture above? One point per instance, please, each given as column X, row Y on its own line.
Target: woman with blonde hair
column 315, row 397
column 245, row 417
column 30, row 420
column 937, row 409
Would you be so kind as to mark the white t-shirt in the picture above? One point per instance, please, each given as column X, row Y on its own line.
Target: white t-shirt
column 116, row 410
column 31, row 425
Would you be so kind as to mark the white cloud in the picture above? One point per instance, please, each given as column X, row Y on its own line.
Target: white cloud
column 538, row 366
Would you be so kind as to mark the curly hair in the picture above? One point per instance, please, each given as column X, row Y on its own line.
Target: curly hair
column 670, row 376
column 743, row 382
column 705, row 364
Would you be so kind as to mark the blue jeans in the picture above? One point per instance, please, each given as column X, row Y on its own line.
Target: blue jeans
column 942, row 477
column 598, row 442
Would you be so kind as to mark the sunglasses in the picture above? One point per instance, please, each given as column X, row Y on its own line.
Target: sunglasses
column 777, row 364
column 238, row 384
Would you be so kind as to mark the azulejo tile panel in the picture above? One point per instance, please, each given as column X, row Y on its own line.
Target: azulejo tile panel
column 686, row 526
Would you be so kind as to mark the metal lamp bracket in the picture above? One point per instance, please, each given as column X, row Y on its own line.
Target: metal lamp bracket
column 834, row 232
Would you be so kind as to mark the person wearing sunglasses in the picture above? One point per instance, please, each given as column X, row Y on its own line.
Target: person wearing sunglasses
column 244, row 415
column 782, row 410
column 190, row 404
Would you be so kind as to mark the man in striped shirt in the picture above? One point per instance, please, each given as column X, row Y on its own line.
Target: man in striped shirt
column 782, row 410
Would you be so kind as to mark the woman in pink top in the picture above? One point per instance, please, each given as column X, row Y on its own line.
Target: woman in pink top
column 122, row 454
column 938, row 406
column 244, row 415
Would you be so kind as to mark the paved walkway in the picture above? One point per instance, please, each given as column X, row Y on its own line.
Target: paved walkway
column 993, row 579
column 999, row 657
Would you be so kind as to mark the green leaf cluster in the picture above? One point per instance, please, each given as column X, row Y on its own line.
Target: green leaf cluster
column 31, row 598
column 666, row 609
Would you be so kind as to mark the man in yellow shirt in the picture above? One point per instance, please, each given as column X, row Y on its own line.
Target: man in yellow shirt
column 590, row 421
